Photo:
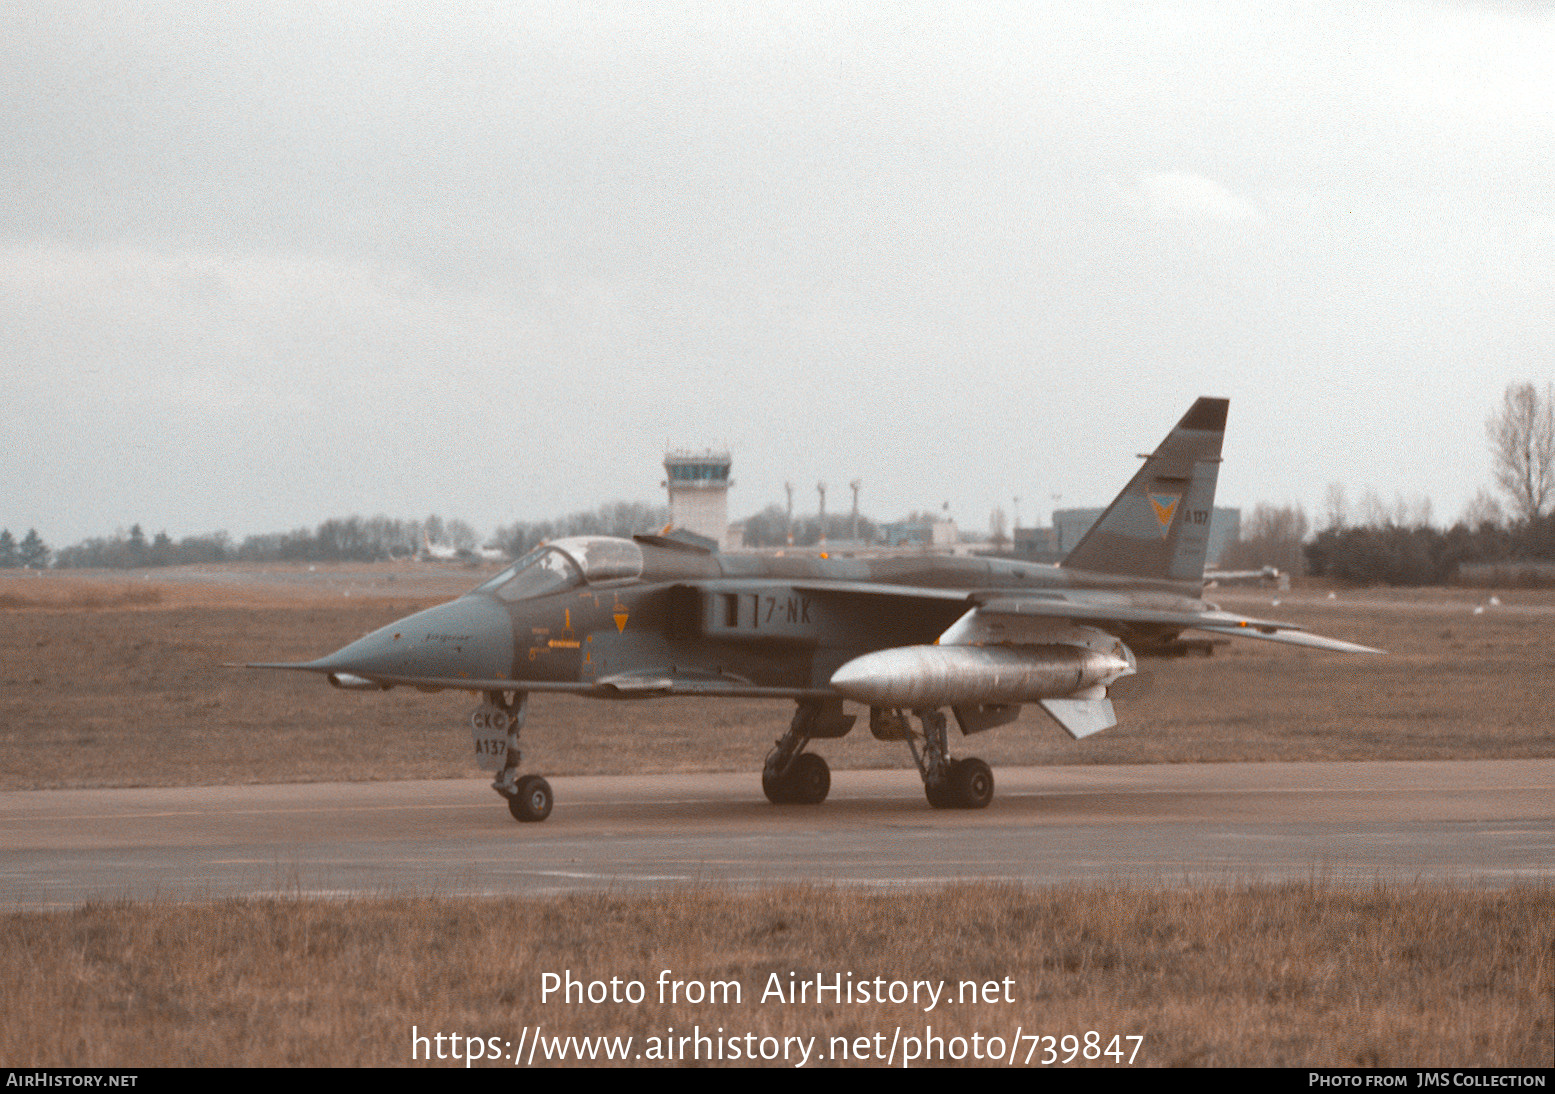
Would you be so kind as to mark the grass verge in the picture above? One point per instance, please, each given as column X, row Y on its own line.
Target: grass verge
column 1301, row 974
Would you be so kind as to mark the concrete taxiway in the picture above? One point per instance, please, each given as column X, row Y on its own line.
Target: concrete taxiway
column 1484, row 823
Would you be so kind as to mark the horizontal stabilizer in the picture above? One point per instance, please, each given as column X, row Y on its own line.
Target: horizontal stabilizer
column 1081, row 717
column 1291, row 638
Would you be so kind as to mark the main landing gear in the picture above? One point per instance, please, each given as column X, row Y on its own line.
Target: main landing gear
column 947, row 783
column 497, row 723
column 792, row 776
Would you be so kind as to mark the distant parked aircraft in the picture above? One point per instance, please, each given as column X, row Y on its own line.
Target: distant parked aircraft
column 442, row 552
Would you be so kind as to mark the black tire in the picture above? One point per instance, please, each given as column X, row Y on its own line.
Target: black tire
column 809, row 780
column 941, row 791
column 971, row 782
column 531, row 800
column 776, row 789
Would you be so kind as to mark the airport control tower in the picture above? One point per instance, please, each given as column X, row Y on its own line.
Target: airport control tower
column 698, row 483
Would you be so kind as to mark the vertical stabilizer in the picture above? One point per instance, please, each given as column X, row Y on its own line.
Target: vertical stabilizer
column 1158, row 527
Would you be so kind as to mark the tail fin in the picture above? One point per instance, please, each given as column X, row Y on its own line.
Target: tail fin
column 1158, row 527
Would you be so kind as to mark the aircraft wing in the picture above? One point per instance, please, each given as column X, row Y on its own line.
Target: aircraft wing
column 1100, row 610
column 1288, row 633
column 1105, row 610
column 876, row 588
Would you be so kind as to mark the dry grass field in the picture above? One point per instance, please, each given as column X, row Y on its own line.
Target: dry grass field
column 1288, row 975
column 106, row 681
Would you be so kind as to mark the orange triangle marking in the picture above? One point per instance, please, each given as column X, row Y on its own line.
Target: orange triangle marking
column 1165, row 505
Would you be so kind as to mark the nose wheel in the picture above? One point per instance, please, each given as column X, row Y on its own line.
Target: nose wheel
column 531, row 799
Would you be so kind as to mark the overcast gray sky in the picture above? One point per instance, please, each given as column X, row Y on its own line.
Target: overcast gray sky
column 265, row 264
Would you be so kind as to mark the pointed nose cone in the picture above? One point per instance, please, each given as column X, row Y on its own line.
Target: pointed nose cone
column 467, row 639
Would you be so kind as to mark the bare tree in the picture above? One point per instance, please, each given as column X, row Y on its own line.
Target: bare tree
column 1270, row 536
column 1374, row 514
column 461, row 535
column 1481, row 510
column 1415, row 513
column 1522, row 445
column 1336, row 508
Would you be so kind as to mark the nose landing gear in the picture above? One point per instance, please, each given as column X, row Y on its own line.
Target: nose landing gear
column 496, row 724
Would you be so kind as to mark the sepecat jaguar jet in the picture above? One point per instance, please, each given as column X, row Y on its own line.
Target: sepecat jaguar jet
column 906, row 637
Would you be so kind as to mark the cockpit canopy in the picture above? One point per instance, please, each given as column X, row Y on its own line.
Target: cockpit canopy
column 576, row 560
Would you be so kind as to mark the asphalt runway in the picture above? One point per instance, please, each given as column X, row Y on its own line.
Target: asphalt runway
column 1479, row 823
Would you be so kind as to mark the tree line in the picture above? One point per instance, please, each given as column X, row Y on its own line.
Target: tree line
column 1398, row 545
column 31, row 552
column 339, row 539
column 371, row 539
column 1395, row 547
column 1394, row 555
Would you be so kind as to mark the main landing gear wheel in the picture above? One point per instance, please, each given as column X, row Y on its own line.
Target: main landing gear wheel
column 531, row 800
column 966, row 784
column 940, row 793
column 792, row 776
column 809, row 780
column 806, row 782
column 972, row 782
column 947, row 783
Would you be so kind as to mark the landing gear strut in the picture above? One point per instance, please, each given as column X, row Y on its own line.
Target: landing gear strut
column 792, row 776
column 947, row 783
column 497, row 724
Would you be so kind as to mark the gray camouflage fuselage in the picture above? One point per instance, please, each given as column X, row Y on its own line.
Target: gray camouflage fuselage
column 694, row 622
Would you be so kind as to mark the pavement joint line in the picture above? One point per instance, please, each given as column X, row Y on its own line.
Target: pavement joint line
column 1085, row 792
